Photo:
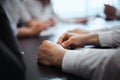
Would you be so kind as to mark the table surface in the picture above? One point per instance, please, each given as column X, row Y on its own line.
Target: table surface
column 37, row 71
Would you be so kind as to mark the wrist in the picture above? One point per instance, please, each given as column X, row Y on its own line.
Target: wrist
column 32, row 32
column 59, row 58
column 92, row 39
column 31, row 23
column 23, row 32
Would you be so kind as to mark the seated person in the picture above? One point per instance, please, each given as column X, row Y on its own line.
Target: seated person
column 111, row 12
column 12, row 66
column 15, row 10
column 41, row 10
column 93, row 64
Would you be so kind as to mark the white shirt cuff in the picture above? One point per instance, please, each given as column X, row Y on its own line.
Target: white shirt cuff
column 14, row 28
column 105, row 39
column 69, row 59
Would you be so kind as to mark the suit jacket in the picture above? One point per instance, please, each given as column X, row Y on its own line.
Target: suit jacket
column 11, row 63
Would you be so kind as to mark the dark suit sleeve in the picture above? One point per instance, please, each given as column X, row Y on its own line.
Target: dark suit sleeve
column 10, row 66
column 11, row 61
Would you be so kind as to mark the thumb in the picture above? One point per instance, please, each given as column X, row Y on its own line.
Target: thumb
column 67, row 43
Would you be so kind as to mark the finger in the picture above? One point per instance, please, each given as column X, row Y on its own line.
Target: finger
column 39, row 47
column 72, row 30
column 42, row 45
column 45, row 28
column 45, row 42
column 66, row 44
column 62, row 38
column 40, row 60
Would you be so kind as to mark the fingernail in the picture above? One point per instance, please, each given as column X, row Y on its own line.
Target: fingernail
column 63, row 44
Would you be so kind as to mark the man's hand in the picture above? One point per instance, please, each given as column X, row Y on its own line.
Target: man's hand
column 50, row 54
column 52, row 21
column 42, row 25
column 72, row 40
column 33, row 31
column 33, row 28
column 30, row 31
column 31, row 23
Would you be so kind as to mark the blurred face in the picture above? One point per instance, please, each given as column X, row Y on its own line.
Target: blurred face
column 45, row 2
column 110, row 12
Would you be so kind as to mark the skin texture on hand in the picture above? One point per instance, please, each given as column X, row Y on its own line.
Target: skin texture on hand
column 31, row 23
column 50, row 54
column 72, row 40
column 41, row 24
column 81, row 20
column 52, row 21
column 30, row 31
column 33, row 29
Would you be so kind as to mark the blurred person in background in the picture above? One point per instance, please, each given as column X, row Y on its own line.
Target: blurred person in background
column 15, row 11
column 41, row 10
column 11, row 59
column 111, row 12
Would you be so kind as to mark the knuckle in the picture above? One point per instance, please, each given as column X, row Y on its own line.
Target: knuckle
column 65, row 33
column 39, row 48
column 72, row 39
column 39, row 53
column 45, row 42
